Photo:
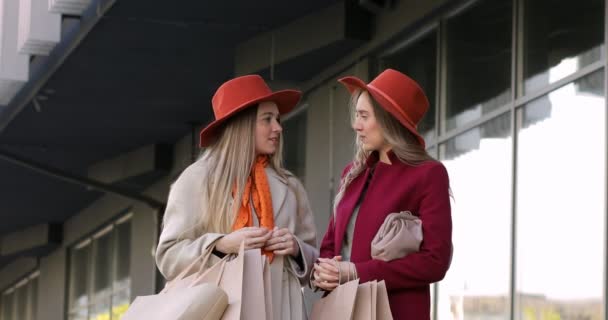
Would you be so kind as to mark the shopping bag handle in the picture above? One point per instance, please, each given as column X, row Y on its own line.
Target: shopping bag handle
column 222, row 266
column 188, row 270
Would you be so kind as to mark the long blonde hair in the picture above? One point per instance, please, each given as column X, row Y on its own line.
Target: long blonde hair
column 230, row 160
column 402, row 142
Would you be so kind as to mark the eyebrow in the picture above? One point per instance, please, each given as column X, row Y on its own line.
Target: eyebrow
column 269, row 113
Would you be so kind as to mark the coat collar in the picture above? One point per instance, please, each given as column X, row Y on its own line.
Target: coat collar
column 374, row 158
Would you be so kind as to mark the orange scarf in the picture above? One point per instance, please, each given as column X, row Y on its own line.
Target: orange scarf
column 257, row 187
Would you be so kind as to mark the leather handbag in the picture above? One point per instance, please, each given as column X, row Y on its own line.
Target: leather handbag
column 399, row 235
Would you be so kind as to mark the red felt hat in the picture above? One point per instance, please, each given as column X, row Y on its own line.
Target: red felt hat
column 398, row 94
column 240, row 93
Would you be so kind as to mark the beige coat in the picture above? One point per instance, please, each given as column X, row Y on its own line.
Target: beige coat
column 176, row 249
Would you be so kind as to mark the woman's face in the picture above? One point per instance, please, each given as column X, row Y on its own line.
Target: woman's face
column 268, row 128
column 369, row 133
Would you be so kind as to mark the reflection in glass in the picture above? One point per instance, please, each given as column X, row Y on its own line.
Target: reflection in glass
column 479, row 61
column 79, row 271
column 102, row 289
column 7, row 305
column 33, row 299
column 100, row 275
column 419, row 62
column 560, row 203
column 563, row 39
column 121, row 295
column 123, row 251
column 479, row 165
column 21, row 301
column 103, row 263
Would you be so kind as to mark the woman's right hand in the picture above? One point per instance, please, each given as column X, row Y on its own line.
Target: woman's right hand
column 254, row 237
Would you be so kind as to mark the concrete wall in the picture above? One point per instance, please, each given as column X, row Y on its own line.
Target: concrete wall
column 329, row 143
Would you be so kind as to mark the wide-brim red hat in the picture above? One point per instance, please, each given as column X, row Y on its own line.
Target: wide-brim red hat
column 398, row 94
column 240, row 93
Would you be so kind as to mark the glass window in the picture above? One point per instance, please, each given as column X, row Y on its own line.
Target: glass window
column 561, row 37
column 20, row 301
column 294, row 133
column 478, row 61
column 479, row 164
column 121, row 295
column 102, row 266
column 7, row 305
column 419, row 62
column 100, row 283
column 33, row 299
column 79, row 271
column 560, row 203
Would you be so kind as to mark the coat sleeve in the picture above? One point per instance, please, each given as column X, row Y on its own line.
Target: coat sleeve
column 181, row 240
column 306, row 236
column 431, row 263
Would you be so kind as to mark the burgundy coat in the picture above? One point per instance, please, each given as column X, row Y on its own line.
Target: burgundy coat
column 422, row 190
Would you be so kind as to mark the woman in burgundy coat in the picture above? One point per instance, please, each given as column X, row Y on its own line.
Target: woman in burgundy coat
column 391, row 172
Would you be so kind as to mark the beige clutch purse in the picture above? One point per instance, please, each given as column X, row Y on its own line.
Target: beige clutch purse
column 399, row 235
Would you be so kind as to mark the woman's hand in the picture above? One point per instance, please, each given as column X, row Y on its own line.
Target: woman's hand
column 325, row 274
column 254, row 237
column 329, row 273
column 282, row 243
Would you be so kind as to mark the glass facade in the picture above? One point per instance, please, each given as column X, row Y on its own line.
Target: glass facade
column 20, row 302
column 479, row 162
column 419, row 62
column 519, row 87
column 99, row 275
column 478, row 53
column 560, row 202
column 560, row 38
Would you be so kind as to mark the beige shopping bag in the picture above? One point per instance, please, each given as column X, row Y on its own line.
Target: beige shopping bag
column 383, row 308
column 374, row 286
column 254, row 298
column 232, row 281
column 243, row 280
column 338, row 305
column 363, row 302
column 202, row 302
column 267, row 288
column 184, row 298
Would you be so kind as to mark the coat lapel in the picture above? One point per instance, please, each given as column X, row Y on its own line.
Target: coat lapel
column 278, row 190
column 347, row 206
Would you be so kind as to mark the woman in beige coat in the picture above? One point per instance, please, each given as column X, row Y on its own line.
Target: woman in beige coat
column 242, row 160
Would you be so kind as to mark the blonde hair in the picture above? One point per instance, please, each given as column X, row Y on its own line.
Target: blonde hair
column 231, row 158
column 403, row 143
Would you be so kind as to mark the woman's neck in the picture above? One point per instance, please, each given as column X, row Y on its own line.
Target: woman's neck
column 384, row 155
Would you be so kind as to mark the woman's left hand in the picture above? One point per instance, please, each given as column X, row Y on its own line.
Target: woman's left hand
column 329, row 273
column 282, row 243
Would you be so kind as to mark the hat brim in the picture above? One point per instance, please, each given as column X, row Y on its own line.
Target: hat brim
column 286, row 101
column 353, row 83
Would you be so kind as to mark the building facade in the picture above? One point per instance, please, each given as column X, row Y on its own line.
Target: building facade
column 518, row 116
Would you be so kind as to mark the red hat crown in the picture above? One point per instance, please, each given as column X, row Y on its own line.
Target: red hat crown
column 398, row 94
column 236, row 92
column 404, row 92
column 240, row 93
